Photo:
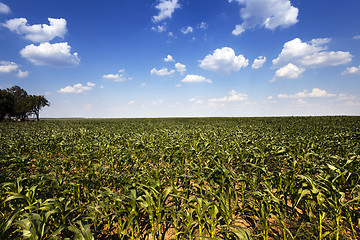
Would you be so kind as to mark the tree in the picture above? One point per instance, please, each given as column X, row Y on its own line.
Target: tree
column 38, row 102
column 16, row 103
column 6, row 103
column 21, row 104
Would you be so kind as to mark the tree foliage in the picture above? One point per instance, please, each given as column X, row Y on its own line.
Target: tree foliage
column 16, row 103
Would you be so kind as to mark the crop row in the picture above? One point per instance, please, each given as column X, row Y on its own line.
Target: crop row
column 217, row 178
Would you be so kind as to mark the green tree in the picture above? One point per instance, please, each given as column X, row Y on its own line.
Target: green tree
column 22, row 103
column 37, row 103
column 16, row 103
column 6, row 104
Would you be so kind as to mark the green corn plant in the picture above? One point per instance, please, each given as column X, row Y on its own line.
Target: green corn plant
column 82, row 233
column 315, row 200
column 7, row 222
column 34, row 226
column 63, row 207
column 156, row 204
column 132, row 206
column 212, row 219
column 263, row 209
column 189, row 223
column 200, row 208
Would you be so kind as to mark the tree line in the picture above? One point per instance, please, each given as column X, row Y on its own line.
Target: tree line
column 15, row 103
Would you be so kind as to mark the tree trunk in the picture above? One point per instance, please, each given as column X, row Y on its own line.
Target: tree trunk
column 37, row 116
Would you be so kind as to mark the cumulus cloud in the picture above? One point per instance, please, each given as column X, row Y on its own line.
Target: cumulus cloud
column 57, row 54
column 181, row 68
column 38, row 32
column 310, row 54
column 203, row 25
column 289, row 71
column 11, row 67
column 4, row 9
column 119, row 77
column 22, row 74
column 8, row 67
column 224, row 60
column 315, row 93
column 296, row 56
column 167, row 8
column 77, row 88
column 169, row 58
column 158, row 102
column 171, row 34
column 258, row 62
column 269, row 14
column 196, row 100
column 159, row 28
column 187, row 30
column 239, row 29
column 345, row 96
column 195, row 79
column 161, row 72
column 351, row 70
column 232, row 97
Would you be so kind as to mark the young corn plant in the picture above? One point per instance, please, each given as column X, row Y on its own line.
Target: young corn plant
column 156, row 205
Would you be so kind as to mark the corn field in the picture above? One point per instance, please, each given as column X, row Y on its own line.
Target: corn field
column 200, row 178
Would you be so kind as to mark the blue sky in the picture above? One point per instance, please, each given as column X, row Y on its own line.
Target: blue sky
column 163, row 58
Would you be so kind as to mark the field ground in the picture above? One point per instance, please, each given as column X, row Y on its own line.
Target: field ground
column 181, row 178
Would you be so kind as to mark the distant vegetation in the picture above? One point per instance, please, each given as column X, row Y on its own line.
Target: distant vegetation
column 15, row 103
column 204, row 178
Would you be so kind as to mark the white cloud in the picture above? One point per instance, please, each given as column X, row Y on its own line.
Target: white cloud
column 159, row 28
column 38, row 32
column 224, row 60
column 195, row 79
column 11, row 67
column 203, row 25
column 77, row 88
column 289, row 71
column 344, row 96
column 158, row 102
column 296, row 55
column 351, row 70
column 169, row 58
column 258, row 62
column 269, row 14
column 233, row 96
column 357, row 37
column 196, row 100
column 116, row 77
column 178, row 85
column 181, row 68
column 4, row 8
column 22, row 74
column 119, row 77
column 161, row 72
column 187, row 30
column 171, row 34
column 352, row 104
column 131, row 102
column 57, row 54
column 239, row 29
column 167, row 8
column 8, row 67
column 315, row 93
column 311, row 54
